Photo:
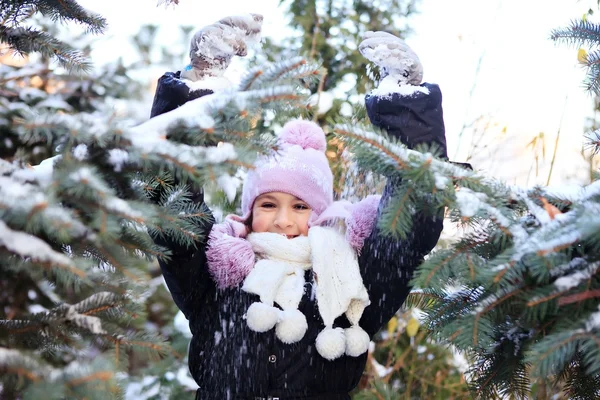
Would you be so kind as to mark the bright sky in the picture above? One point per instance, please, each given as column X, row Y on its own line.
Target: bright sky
column 525, row 84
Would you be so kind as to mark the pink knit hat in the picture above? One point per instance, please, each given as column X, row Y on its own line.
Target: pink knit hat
column 300, row 169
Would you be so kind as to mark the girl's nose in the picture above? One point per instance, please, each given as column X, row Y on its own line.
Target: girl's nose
column 282, row 219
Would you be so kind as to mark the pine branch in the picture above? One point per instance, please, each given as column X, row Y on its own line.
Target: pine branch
column 552, row 353
column 579, row 32
column 593, row 142
column 66, row 314
column 24, row 39
column 396, row 218
column 48, row 382
column 28, row 246
column 168, row 2
column 437, row 271
column 250, row 79
column 28, row 40
column 296, row 67
column 526, row 269
column 149, row 346
column 70, row 11
column 579, row 297
column 578, row 384
column 592, row 79
column 395, row 152
column 14, row 362
column 423, row 299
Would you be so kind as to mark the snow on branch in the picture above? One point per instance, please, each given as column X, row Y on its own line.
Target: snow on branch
column 590, row 191
column 151, row 135
column 8, row 73
column 468, row 200
column 564, row 230
column 570, row 281
column 85, row 176
column 122, row 207
column 29, row 246
column 296, row 67
column 18, row 363
column 593, row 321
column 97, row 301
column 29, row 199
column 78, row 315
column 399, row 153
column 91, row 323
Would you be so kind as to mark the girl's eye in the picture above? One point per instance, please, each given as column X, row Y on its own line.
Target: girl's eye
column 267, row 205
column 302, row 207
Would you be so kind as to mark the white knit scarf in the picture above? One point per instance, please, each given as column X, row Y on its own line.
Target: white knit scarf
column 278, row 278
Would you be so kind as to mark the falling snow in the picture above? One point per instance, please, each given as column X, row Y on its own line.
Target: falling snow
column 230, row 185
column 80, row 152
column 117, row 158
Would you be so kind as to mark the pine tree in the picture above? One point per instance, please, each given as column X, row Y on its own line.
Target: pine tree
column 518, row 292
column 75, row 230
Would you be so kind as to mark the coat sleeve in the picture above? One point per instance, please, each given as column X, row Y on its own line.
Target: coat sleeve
column 171, row 92
column 185, row 272
column 387, row 264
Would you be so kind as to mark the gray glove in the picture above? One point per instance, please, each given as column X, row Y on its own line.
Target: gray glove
column 213, row 46
column 393, row 56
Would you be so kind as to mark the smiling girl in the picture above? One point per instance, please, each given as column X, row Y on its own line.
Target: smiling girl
column 281, row 303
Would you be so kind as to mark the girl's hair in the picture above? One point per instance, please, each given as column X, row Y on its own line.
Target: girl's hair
column 248, row 223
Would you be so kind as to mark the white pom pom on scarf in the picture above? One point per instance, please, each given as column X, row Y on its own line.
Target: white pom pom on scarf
column 262, row 317
column 331, row 343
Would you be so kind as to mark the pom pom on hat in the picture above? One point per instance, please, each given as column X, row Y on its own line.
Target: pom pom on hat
column 305, row 134
column 299, row 167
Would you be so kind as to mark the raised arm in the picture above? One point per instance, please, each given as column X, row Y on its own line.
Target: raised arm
column 185, row 271
column 412, row 112
column 211, row 51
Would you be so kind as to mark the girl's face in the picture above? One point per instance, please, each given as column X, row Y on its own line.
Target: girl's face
column 279, row 212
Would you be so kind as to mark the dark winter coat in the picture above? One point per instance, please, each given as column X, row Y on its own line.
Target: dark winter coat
column 226, row 358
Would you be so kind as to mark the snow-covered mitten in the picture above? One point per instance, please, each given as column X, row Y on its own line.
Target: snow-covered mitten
column 248, row 28
column 396, row 59
column 213, row 46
